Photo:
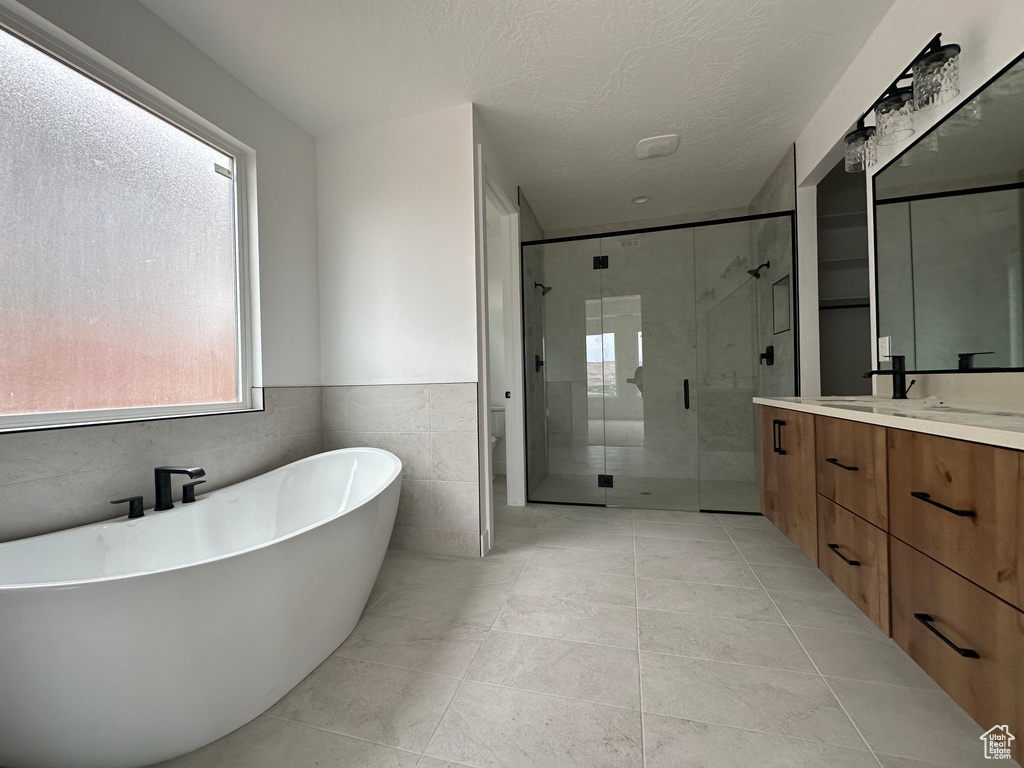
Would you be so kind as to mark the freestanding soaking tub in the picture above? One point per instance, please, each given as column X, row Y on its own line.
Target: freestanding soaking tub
column 129, row 642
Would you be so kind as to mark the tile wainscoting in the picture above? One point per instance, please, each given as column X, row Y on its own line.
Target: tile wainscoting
column 56, row 479
column 432, row 428
column 61, row 478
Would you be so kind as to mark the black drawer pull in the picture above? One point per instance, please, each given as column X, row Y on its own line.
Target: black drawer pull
column 844, row 558
column 927, row 498
column 842, row 466
column 779, row 424
column 926, row 619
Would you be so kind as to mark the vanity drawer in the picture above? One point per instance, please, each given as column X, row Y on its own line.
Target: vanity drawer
column 850, row 467
column 960, row 503
column 926, row 594
column 854, row 554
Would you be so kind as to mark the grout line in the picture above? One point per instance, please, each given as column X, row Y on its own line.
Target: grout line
column 341, row 733
column 550, row 695
column 704, row 583
column 732, row 663
column 815, row 665
column 472, row 661
column 376, row 602
column 564, row 639
column 425, row 756
column 571, row 600
column 580, row 570
column 780, row 623
column 639, row 658
column 930, row 689
column 776, row 734
column 425, row 621
column 337, row 657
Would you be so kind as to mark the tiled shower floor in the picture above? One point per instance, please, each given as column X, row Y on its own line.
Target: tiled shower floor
column 610, row 638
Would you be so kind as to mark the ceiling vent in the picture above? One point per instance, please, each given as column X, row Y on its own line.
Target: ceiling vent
column 657, row 146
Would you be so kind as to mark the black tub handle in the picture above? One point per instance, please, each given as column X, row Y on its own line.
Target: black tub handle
column 929, row 500
column 837, row 463
column 926, row 619
column 844, row 558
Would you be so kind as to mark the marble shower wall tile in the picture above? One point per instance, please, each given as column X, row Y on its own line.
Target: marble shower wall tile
column 432, row 428
column 56, row 479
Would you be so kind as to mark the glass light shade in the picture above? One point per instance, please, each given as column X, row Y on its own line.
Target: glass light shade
column 895, row 117
column 937, row 77
column 860, row 149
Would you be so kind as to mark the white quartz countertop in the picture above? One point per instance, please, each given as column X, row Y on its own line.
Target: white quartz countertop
column 978, row 423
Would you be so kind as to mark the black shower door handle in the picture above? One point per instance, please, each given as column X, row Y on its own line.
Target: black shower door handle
column 686, row 394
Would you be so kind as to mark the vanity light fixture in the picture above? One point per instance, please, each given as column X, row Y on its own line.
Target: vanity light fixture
column 937, row 77
column 641, row 199
column 934, row 77
column 894, row 116
column 860, row 148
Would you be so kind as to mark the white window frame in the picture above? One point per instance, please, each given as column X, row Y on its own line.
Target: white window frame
column 54, row 42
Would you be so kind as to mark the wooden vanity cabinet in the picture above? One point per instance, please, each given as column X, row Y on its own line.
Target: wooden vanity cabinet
column 854, row 554
column 925, row 534
column 961, row 504
column 967, row 640
column 787, row 476
column 851, row 467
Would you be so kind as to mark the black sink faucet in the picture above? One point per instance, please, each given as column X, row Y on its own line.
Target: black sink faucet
column 965, row 360
column 162, row 477
column 899, row 377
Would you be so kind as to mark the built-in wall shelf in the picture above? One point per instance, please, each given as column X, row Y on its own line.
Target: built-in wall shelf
column 843, row 220
column 846, row 261
column 843, row 302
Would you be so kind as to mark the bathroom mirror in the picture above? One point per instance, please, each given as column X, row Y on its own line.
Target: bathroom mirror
column 949, row 237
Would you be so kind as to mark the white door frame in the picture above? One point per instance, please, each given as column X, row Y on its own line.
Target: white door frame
column 515, row 442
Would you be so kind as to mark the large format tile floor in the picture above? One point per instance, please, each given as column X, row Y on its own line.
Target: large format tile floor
column 610, row 637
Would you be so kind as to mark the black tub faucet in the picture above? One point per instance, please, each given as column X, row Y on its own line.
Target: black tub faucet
column 899, row 377
column 162, row 477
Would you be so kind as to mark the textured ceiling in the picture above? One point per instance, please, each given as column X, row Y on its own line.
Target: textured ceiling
column 565, row 87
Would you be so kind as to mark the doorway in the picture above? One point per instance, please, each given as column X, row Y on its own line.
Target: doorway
column 503, row 466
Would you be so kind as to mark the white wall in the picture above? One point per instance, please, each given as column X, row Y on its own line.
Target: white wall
column 133, row 37
column 398, row 251
column 991, row 33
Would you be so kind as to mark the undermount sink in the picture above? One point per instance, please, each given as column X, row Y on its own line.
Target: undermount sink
column 913, row 406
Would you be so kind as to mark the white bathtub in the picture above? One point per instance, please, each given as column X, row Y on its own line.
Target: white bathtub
column 130, row 642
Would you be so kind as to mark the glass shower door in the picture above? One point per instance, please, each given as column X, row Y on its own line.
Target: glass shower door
column 641, row 366
column 565, row 349
column 649, row 398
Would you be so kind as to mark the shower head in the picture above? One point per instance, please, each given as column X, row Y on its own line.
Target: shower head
column 544, row 289
column 757, row 272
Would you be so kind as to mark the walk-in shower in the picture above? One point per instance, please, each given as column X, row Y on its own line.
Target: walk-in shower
column 642, row 361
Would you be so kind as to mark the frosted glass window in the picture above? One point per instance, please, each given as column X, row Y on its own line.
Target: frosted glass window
column 119, row 281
